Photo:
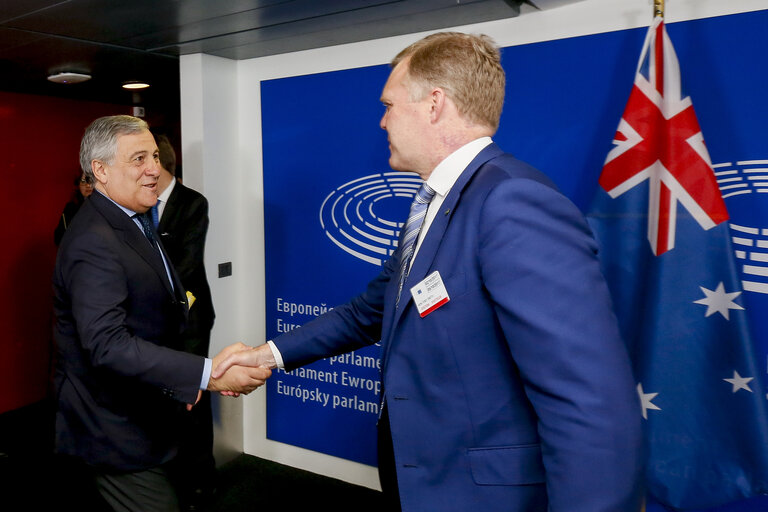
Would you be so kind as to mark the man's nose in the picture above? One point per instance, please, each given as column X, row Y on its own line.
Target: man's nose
column 153, row 169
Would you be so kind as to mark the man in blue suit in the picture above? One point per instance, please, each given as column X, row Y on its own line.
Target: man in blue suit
column 506, row 385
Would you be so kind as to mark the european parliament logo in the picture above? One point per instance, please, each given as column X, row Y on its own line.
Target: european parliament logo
column 363, row 217
column 740, row 181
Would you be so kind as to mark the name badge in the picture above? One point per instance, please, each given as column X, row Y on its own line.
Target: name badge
column 429, row 294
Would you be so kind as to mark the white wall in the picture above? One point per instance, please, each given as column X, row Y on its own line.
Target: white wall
column 213, row 166
column 221, row 144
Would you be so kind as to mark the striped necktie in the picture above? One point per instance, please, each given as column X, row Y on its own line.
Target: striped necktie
column 412, row 228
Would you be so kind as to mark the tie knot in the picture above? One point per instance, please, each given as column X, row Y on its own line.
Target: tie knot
column 425, row 193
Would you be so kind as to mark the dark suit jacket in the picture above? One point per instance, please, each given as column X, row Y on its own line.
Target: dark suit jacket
column 120, row 383
column 518, row 393
column 67, row 215
column 182, row 229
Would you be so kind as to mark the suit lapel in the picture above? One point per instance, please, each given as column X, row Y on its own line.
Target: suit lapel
column 170, row 209
column 431, row 243
column 169, row 218
column 133, row 237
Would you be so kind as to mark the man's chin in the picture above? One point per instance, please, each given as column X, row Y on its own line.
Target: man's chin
column 149, row 202
column 394, row 164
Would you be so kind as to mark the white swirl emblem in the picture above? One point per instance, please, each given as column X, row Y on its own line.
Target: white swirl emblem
column 357, row 215
column 745, row 180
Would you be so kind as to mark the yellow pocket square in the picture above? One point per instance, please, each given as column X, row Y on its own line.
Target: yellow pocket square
column 190, row 299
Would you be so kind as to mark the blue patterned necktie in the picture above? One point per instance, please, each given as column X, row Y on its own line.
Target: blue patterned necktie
column 155, row 214
column 146, row 224
column 411, row 229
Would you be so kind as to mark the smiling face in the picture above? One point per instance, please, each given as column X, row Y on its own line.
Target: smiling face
column 130, row 179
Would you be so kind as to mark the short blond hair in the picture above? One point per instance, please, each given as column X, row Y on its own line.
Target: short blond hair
column 466, row 66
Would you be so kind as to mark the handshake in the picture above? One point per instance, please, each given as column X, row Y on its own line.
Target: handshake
column 239, row 369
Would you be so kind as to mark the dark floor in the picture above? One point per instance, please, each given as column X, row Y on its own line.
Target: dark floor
column 29, row 471
column 248, row 483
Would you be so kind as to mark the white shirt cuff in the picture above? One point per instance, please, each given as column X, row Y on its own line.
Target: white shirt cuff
column 206, row 374
column 276, row 354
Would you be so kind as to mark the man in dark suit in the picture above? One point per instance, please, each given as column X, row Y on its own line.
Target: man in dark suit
column 182, row 221
column 506, row 386
column 122, row 380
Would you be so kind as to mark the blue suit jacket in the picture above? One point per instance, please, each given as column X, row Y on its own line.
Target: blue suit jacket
column 517, row 394
column 120, row 381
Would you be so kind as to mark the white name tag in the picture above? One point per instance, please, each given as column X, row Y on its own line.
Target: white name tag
column 429, row 294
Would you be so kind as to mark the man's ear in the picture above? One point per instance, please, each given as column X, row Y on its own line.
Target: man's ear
column 99, row 171
column 437, row 103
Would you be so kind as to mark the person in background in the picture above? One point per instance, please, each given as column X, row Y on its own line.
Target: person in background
column 181, row 218
column 83, row 189
column 122, row 383
column 505, row 383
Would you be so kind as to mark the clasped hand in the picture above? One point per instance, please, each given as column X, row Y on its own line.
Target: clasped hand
column 239, row 369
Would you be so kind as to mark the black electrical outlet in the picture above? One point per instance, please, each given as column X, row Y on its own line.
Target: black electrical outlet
column 225, row 269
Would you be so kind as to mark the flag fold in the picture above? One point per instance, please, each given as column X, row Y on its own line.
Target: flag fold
column 662, row 227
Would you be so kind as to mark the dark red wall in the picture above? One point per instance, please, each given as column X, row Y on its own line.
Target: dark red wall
column 39, row 144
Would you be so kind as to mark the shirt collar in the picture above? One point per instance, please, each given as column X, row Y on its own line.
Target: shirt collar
column 448, row 171
column 167, row 192
column 127, row 211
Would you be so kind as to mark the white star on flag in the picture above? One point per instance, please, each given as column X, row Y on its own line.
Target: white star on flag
column 718, row 301
column 739, row 382
column 645, row 400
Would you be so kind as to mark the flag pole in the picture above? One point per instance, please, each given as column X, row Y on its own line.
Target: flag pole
column 658, row 8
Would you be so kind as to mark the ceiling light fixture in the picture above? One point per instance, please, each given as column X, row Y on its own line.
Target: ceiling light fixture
column 135, row 85
column 68, row 78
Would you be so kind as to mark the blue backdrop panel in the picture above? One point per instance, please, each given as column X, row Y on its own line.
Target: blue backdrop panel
column 322, row 146
column 564, row 100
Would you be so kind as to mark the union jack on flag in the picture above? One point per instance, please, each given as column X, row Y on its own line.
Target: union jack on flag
column 659, row 140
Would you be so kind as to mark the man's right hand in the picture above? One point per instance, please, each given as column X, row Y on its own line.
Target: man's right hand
column 254, row 357
column 234, row 380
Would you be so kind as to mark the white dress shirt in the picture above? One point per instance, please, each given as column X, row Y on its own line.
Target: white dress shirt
column 442, row 179
column 162, row 199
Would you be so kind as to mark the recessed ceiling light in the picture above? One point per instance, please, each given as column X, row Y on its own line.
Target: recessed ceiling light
column 135, row 85
column 68, row 78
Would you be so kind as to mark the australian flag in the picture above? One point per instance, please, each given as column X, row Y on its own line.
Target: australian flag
column 662, row 227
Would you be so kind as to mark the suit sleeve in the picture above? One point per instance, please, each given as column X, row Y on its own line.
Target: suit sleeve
column 345, row 328
column 98, row 288
column 538, row 262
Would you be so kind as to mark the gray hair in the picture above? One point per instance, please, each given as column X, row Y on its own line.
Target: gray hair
column 100, row 140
